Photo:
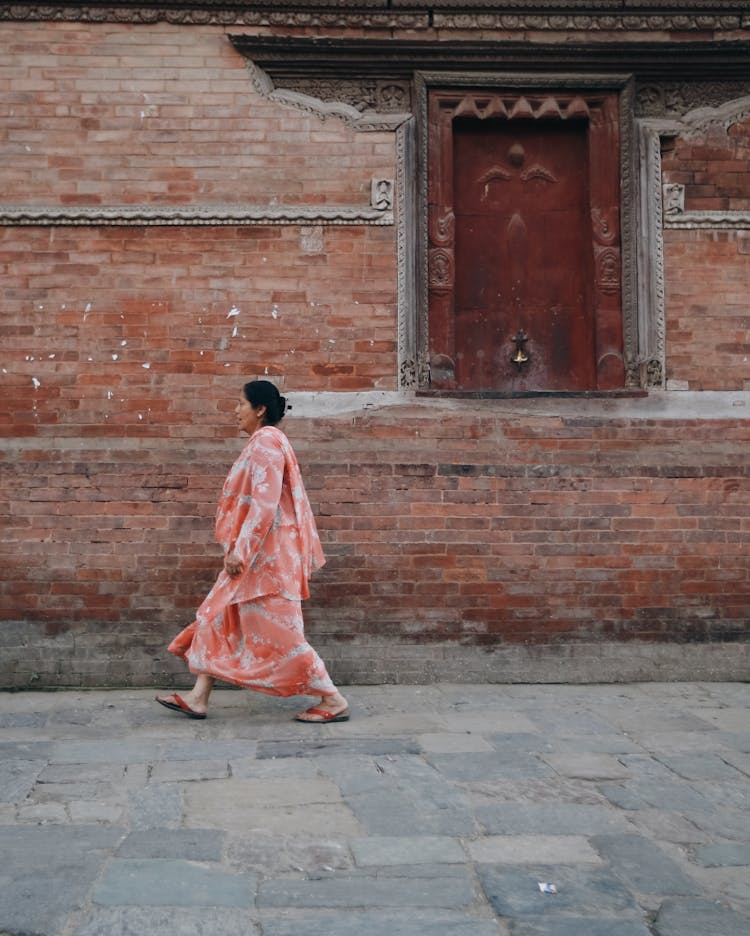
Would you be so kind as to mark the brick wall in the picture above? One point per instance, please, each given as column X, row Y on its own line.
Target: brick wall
column 708, row 309
column 713, row 165
column 707, row 272
column 466, row 523
column 452, row 527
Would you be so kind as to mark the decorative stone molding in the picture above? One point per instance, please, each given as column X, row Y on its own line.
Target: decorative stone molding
column 354, row 107
column 384, row 97
column 240, row 215
column 410, row 376
column 649, row 366
column 675, row 99
column 698, row 122
column 675, row 215
column 207, row 13
column 596, row 22
column 513, row 15
column 663, row 207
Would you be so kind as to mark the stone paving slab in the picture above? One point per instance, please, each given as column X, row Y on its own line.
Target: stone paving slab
column 587, row 766
column 720, row 856
column 18, row 778
column 291, row 807
column 435, row 891
column 550, row 819
column 327, row 747
column 167, row 921
column 699, row 918
column 582, row 891
column 417, row 922
column 385, row 851
column 643, row 866
column 533, row 849
column 165, row 882
column 198, row 844
column 579, row 926
column 436, row 809
column 46, row 873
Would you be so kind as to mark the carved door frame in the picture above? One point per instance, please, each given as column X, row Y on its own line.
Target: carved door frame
column 616, row 326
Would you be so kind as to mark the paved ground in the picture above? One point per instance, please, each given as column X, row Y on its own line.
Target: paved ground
column 437, row 810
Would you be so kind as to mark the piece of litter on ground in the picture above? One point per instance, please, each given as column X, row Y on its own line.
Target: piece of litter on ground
column 546, row 888
column 37, row 383
column 232, row 312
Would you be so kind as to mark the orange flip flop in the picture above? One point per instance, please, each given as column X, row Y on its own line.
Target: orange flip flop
column 180, row 705
column 324, row 717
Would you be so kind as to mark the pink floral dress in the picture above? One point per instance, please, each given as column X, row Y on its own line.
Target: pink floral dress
column 249, row 630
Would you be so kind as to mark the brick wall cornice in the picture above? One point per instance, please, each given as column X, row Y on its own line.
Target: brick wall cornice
column 599, row 15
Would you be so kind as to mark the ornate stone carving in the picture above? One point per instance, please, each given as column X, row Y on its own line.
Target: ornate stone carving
column 697, row 123
column 359, row 115
column 708, row 220
column 579, row 22
column 385, row 97
column 655, row 374
column 628, row 226
column 673, row 198
column 381, row 194
column 150, row 215
column 214, row 13
column 673, row 98
column 647, row 356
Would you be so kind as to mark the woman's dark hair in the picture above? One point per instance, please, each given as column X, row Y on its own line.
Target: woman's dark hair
column 264, row 393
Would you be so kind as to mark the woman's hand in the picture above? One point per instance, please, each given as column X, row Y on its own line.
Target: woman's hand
column 232, row 565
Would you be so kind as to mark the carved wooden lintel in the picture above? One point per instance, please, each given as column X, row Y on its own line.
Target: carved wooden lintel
column 290, row 58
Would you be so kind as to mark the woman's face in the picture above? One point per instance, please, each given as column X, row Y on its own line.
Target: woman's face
column 249, row 419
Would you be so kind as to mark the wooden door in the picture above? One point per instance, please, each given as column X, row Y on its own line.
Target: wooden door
column 523, row 273
column 523, row 257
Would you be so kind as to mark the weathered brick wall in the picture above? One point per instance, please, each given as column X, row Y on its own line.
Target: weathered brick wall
column 465, row 523
column 708, row 308
column 517, row 527
column 707, row 272
column 108, row 114
column 712, row 164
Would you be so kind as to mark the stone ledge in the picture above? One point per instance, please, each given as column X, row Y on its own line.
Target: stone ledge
column 378, row 661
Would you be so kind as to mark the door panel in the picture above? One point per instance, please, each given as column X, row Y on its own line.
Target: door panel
column 523, row 240
column 523, row 256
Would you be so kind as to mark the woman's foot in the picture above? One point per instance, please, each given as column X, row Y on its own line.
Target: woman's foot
column 186, row 704
column 331, row 708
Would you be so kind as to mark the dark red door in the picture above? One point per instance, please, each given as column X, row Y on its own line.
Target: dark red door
column 523, row 256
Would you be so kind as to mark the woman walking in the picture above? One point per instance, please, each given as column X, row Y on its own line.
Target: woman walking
column 249, row 629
